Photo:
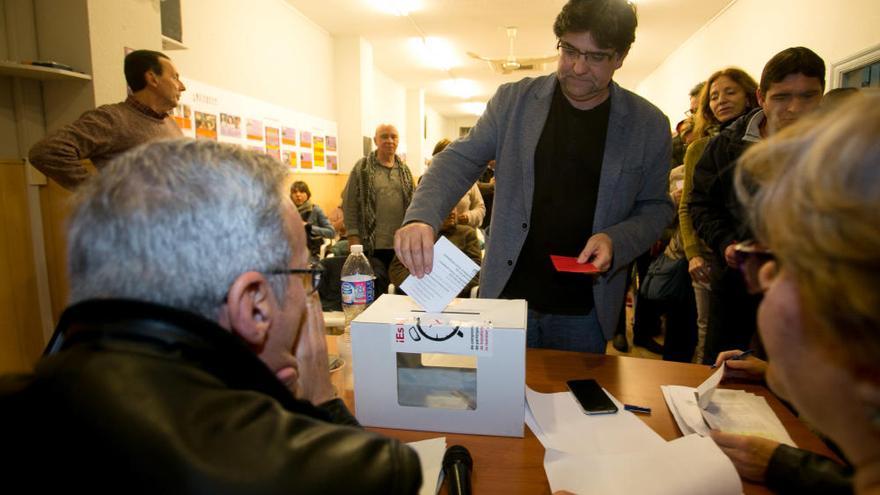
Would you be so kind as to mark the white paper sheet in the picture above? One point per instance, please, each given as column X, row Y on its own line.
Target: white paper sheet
column 707, row 388
column 567, row 429
column 451, row 271
column 731, row 411
column 430, row 453
column 683, row 405
column 685, row 466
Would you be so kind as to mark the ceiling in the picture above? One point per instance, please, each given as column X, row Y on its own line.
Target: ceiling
column 479, row 26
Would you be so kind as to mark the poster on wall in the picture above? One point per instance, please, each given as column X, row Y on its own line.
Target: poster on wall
column 230, row 125
column 288, row 136
column 300, row 141
column 182, row 114
column 273, row 142
column 305, row 160
column 254, row 130
column 206, row 126
column 318, row 146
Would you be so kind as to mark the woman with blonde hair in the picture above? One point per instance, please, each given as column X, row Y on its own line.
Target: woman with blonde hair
column 727, row 94
column 813, row 200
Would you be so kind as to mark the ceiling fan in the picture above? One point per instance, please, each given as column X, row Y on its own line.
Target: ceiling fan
column 512, row 63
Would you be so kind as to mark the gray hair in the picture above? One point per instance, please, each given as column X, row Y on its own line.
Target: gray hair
column 175, row 223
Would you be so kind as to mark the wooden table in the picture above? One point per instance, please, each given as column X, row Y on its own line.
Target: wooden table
column 516, row 465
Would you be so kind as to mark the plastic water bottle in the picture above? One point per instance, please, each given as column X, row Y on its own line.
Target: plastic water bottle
column 358, row 291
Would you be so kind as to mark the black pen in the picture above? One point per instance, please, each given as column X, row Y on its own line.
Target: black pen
column 637, row 409
column 739, row 357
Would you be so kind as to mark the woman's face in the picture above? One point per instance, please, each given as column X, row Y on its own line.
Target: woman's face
column 299, row 197
column 799, row 369
column 727, row 99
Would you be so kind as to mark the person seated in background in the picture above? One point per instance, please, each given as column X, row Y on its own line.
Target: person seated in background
column 812, row 200
column 464, row 238
column 470, row 210
column 318, row 227
column 192, row 358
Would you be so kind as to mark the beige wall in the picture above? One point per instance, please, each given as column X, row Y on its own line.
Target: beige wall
column 264, row 49
column 749, row 32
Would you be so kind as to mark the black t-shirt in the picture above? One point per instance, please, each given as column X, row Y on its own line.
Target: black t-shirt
column 568, row 164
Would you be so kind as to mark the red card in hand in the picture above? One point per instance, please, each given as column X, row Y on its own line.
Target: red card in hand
column 570, row 264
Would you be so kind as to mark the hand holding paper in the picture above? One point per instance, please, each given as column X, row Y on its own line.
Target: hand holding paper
column 451, row 271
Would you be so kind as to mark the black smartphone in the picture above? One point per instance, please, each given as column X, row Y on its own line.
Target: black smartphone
column 591, row 397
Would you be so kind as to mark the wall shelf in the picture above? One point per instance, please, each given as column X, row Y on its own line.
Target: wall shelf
column 28, row 71
column 172, row 44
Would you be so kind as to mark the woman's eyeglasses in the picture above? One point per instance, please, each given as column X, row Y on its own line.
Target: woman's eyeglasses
column 311, row 283
column 750, row 256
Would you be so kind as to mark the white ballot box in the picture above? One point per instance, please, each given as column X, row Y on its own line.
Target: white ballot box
column 459, row 371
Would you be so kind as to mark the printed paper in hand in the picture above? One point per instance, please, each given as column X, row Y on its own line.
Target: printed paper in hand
column 452, row 270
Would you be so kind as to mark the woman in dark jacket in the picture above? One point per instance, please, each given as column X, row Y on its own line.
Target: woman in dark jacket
column 318, row 227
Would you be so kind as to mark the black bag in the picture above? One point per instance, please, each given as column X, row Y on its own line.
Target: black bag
column 667, row 280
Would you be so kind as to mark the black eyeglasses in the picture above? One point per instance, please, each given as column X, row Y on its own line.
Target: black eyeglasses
column 750, row 256
column 315, row 270
column 571, row 54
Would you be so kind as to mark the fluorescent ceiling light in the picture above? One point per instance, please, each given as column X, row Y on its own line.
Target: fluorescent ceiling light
column 396, row 7
column 434, row 52
column 473, row 107
column 462, row 88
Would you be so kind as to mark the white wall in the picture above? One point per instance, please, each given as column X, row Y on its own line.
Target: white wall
column 388, row 106
column 453, row 125
column 749, row 32
column 437, row 130
column 265, row 49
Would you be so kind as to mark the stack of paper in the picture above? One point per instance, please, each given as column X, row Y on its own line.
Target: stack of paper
column 618, row 453
column 696, row 410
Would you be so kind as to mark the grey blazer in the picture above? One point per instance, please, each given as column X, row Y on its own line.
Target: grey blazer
column 633, row 205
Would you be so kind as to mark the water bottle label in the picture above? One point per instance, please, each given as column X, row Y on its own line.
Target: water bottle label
column 360, row 292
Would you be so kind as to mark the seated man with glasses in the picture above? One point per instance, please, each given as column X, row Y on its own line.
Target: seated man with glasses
column 582, row 171
column 192, row 358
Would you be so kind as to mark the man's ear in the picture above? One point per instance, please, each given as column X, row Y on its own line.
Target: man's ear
column 250, row 307
column 760, row 97
column 151, row 78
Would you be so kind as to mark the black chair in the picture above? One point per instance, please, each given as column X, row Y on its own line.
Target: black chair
column 330, row 289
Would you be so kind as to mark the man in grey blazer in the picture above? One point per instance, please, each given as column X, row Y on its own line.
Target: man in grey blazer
column 581, row 171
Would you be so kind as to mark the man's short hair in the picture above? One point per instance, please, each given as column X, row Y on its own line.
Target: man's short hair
column 695, row 91
column 794, row 60
column 612, row 23
column 137, row 63
column 175, row 223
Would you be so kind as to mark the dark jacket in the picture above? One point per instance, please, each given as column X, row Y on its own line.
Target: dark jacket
column 717, row 215
column 795, row 471
column 147, row 399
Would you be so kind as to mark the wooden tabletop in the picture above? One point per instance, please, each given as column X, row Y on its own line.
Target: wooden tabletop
column 516, row 465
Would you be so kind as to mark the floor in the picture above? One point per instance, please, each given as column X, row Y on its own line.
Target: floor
column 633, row 351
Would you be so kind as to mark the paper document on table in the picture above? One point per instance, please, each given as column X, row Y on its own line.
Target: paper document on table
column 737, row 411
column 450, row 272
column 707, row 388
column 533, row 425
column 730, row 411
column 687, row 465
column 567, row 429
column 683, row 405
column 430, row 454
